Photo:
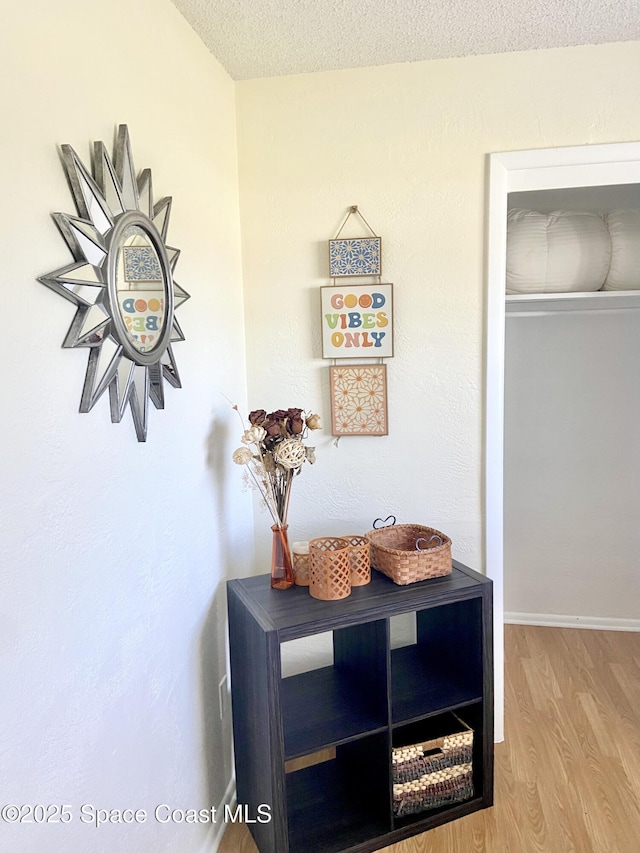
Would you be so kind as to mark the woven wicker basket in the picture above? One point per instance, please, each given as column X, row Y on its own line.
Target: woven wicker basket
column 440, row 788
column 433, row 773
column 360, row 560
column 393, row 552
column 329, row 568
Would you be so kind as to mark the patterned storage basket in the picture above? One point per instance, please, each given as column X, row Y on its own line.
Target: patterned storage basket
column 394, row 552
column 329, row 568
column 359, row 557
column 434, row 773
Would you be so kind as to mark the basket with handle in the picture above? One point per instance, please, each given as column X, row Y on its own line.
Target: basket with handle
column 407, row 553
column 435, row 772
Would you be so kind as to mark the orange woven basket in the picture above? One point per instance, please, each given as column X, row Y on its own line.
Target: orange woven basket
column 359, row 559
column 394, row 553
column 329, row 568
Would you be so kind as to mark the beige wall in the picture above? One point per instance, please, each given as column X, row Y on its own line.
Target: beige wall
column 408, row 144
column 113, row 554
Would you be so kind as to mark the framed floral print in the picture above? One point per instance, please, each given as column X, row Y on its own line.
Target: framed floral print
column 359, row 399
column 359, row 256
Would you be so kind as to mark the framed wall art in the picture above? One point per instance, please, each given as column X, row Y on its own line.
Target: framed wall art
column 356, row 256
column 121, row 282
column 359, row 399
column 357, row 321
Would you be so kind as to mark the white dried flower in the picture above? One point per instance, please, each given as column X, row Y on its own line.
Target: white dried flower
column 313, row 421
column 290, row 453
column 242, row 456
column 311, row 455
column 253, row 435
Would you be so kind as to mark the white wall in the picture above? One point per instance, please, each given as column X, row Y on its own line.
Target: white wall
column 114, row 553
column 572, row 467
column 408, row 144
column 310, row 146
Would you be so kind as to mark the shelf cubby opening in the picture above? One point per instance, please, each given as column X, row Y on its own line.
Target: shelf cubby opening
column 324, row 707
column 437, row 725
column 333, row 704
column 306, row 653
column 442, row 669
column 341, row 801
column 441, row 757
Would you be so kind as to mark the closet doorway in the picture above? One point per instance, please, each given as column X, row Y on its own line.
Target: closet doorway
column 523, row 172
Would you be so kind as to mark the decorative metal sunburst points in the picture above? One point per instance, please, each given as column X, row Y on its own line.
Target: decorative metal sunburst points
column 121, row 282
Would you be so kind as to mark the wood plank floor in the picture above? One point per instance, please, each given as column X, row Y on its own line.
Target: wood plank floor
column 567, row 777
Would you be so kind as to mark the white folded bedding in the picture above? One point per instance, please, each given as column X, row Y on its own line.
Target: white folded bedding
column 557, row 252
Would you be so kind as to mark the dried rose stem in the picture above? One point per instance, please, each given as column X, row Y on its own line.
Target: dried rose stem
column 267, row 495
column 289, row 476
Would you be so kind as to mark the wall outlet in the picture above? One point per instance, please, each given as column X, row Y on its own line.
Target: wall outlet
column 224, row 697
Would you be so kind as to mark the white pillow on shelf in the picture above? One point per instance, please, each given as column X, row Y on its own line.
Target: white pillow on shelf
column 624, row 270
column 558, row 252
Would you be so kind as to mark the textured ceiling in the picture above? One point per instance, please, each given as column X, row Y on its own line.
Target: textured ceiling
column 267, row 38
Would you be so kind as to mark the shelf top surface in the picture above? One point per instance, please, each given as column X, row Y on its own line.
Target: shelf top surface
column 294, row 613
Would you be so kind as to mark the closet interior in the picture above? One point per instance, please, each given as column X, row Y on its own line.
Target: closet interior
column 572, row 406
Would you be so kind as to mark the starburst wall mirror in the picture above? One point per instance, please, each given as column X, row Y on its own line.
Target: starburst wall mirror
column 121, row 282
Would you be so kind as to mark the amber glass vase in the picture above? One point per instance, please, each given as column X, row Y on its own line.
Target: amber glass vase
column 281, row 565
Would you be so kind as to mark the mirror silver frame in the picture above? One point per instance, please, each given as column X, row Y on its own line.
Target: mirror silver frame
column 108, row 202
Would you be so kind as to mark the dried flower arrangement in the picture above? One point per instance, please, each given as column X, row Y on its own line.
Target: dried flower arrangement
column 274, row 453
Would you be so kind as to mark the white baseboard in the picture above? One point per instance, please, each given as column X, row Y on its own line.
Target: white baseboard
column 554, row 620
column 214, row 836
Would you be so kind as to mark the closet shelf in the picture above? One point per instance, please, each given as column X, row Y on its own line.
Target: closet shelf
column 600, row 300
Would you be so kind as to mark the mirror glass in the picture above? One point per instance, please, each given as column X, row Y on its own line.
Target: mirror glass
column 140, row 288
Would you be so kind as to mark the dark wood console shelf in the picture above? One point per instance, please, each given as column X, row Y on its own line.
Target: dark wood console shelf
column 370, row 699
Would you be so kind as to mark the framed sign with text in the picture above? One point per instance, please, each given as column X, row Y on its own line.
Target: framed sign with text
column 357, row 321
